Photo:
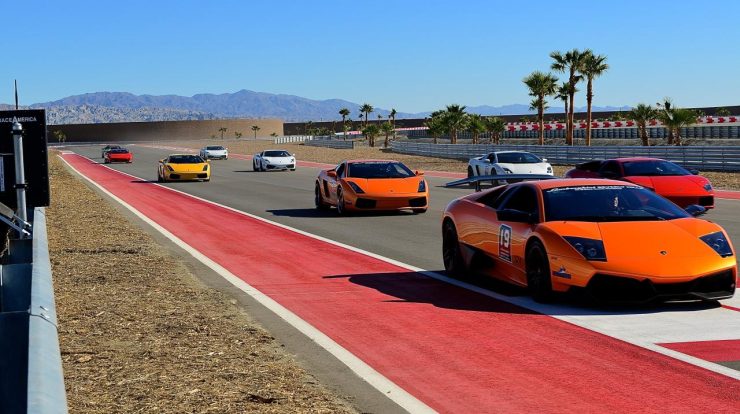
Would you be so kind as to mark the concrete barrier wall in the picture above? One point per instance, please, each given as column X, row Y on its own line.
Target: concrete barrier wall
column 164, row 130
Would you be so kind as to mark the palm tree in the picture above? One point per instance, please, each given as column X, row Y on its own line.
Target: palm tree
column 571, row 63
column 255, row 128
column 593, row 67
column 387, row 129
column 495, row 126
column 722, row 112
column 366, row 108
column 642, row 114
column 371, row 131
column 674, row 119
column 454, row 120
column 541, row 85
column 345, row 113
column 237, row 134
column 222, row 130
column 392, row 117
column 435, row 123
column 476, row 126
column 60, row 135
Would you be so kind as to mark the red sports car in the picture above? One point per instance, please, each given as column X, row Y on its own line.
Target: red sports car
column 668, row 179
column 118, row 155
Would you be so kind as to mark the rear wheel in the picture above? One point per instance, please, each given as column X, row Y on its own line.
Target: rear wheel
column 539, row 281
column 319, row 199
column 451, row 253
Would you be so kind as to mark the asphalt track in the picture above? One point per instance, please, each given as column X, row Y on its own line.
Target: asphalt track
column 453, row 349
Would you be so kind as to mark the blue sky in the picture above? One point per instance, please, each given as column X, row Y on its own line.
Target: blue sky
column 410, row 55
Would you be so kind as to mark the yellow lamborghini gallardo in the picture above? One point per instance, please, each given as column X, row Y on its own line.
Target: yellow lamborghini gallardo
column 183, row 167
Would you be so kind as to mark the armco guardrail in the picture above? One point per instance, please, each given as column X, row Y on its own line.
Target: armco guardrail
column 291, row 138
column 330, row 143
column 31, row 379
column 706, row 158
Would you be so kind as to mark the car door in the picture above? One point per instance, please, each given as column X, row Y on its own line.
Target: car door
column 512, row 231
column 332, row 183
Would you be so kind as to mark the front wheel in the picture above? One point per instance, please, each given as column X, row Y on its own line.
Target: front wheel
column 341, row 210
column 451, row 253
column 539, row 281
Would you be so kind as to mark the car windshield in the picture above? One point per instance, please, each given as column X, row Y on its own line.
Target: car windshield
column 379, row 169
column 119, row 151
column 652, row 168
column 215, row 148
column 277, row 154
column 598, row 203
column 185, row 159
column 517, row 158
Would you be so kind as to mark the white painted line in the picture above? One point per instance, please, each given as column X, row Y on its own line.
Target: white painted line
column 363, row 370
column 524, row 302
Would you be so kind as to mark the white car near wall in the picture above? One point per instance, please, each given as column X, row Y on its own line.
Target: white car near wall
column 508, row 162
column 214, row 152
column 270, row 160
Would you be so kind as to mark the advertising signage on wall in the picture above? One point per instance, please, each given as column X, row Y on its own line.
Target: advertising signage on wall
column 36, row 163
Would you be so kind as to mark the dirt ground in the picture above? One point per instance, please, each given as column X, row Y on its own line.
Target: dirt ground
column 140, row 334
column 720, row 180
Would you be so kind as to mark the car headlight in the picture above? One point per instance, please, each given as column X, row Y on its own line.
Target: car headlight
column 590, row 249
column 355, row 187
column 170, row 168
column 422, row 186
column 205, row 167
column 718, row 242
column 708, row 187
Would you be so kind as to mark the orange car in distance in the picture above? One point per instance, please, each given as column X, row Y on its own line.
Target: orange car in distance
column 615, row 240
column 366, row 185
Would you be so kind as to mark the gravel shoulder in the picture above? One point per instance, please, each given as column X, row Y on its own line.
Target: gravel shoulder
column 720, row 180
column 140, row 333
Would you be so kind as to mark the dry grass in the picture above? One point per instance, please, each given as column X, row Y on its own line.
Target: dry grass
column 727, row 181
column 139, row 333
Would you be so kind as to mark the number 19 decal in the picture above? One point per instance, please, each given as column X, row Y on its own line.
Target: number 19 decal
column 504, row 243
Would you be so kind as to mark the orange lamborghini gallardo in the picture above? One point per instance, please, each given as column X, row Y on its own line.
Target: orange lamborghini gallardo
column 615, row 240
column 363, row 185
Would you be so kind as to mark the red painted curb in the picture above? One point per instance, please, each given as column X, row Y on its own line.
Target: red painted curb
column 716, row 351
column 455, row 350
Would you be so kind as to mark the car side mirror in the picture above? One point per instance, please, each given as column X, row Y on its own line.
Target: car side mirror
column 161, row 161
column 695, row 210
column 516, row 216
column 292, row 155
column 544, row 160
column 331, row 173
column 419, row 172
column 486, row 160
column 694, row 172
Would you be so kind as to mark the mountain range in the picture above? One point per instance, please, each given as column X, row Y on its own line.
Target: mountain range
column 102, row 107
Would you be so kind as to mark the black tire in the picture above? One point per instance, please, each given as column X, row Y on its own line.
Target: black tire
column 254, row 166
column 319, row 199
column 159, row 177
column 451, row 254
column 340, row 203
column 471, row 175
column 539, row 281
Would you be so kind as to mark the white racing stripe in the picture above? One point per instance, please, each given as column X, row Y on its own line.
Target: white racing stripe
column 359, row 367
column 640, row 329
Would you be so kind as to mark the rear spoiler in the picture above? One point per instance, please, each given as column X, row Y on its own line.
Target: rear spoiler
column 502, row 178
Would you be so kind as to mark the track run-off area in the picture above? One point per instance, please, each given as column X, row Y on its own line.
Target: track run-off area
column 370, row 290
